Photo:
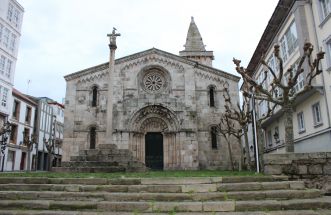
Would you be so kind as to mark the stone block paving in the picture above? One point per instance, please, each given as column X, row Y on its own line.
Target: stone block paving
column 264, row 195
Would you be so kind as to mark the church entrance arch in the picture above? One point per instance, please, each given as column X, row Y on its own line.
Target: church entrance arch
column 154, row 150
column 153, row 137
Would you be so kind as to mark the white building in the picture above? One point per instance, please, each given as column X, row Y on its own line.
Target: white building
column 22, row 118
column 49, row 124
column 11, row 15
column 291, row 25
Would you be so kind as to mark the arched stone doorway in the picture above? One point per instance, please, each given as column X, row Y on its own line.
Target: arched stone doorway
column 153, row 127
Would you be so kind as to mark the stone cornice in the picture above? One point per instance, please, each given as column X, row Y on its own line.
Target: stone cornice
column 169, row 59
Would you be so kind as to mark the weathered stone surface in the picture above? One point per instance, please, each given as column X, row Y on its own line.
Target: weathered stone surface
column 199, row 188
column 218, row 206
column 315, row 169
column 257, row 205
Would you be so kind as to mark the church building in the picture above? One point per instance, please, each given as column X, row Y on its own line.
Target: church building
column 160, row 107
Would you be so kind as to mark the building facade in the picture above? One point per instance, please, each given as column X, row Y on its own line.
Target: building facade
column 164, row 110
column 11, row 16
column 22, row 117
column 292, row 24
column 49, row 130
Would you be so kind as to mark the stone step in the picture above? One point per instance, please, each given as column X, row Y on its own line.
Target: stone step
column 113, row 152
column 89, row 164
column 250, row 186
column 90, row 169
column 56, row 212
column 171, row 188
column 155, row 206
column 105, row 196
column 151, row 181
column 86, row 181
column 102, row 158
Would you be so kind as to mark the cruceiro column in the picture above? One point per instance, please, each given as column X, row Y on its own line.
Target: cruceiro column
column 112, row 47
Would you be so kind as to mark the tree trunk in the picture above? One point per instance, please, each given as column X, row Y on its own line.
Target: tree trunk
column 289, row 137
column 230, row 153
column 242, row 161
column 248, row 156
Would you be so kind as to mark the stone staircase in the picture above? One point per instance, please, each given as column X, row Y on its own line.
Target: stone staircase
column 107, row 158
column 261, row 195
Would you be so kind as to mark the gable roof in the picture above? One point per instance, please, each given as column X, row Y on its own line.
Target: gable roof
column 148, row 52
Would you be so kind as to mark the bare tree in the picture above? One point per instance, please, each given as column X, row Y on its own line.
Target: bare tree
column 226, row 129
column 242, row 115
column 286, row 85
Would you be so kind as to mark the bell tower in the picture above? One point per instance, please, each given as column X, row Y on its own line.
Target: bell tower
column 194, row 47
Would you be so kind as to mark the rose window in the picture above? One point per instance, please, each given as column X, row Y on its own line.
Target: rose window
column 153, row 82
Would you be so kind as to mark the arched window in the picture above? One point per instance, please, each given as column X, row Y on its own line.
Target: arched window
column 211, row 96
column 94, row 96
column 213, row 134
column 93, row 136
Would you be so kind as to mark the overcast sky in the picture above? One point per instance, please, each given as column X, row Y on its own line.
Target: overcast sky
column 60, row 37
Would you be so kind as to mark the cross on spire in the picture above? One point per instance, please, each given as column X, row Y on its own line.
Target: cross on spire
column 112, row 38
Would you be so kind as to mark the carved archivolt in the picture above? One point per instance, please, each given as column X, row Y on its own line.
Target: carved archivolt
column 158, row 116
column 153, row 124
column 92, row 77
column 209, row 76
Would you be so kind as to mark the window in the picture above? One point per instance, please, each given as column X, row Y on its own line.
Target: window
column 328, row 52
column 92, row 137
column 301, row 122
column 289, row 42
column 263, row 108
column 16, row 110
column 269, row 138
column 10, row 12
column 317, row 114
column 4, row 92
column 272, row 63
column 13, row 134
column 12, row 42
column 276, row 135
column 16, row 18
column 325, row 7
column 26, row 135
column 1, row 32
column 94, row 96
column 2, row 64
column 8, row 68
column 6, row 37
column 212, row 97
column 213, row 134
column 300, row 81
column 28, row 115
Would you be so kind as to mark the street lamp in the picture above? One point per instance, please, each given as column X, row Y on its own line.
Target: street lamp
column 28, row 142
column 4, row 133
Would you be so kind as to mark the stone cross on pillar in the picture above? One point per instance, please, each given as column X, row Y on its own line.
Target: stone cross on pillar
column 112, row 47
column 112, row 39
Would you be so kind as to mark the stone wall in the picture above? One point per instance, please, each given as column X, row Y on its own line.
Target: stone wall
column 299, row 165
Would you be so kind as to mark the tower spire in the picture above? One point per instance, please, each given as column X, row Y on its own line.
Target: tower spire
column 194, row 46
column 194, row 40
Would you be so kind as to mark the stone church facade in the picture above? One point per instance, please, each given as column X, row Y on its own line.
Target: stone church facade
column 164, row 107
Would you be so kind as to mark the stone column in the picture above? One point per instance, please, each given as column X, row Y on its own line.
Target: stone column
column 112, row 47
